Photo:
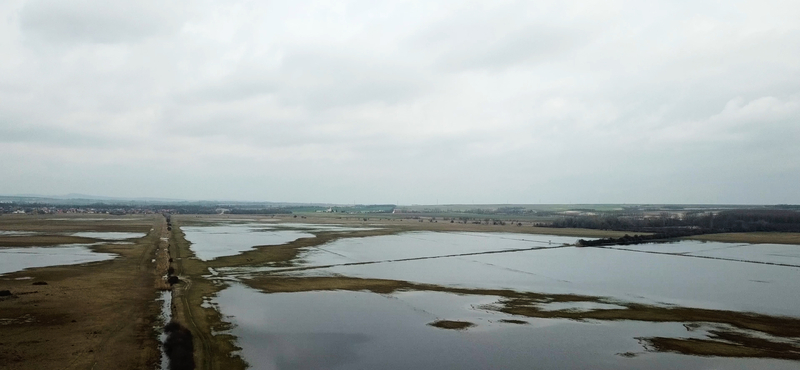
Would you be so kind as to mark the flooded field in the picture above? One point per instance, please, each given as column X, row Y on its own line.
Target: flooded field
column 109, row 235
column 209, row 242
column 319, row 227
column 272, row 293
column 360, row 330
column 431, row 300
column 18, row 259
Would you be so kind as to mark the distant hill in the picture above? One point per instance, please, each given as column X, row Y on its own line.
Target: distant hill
column 83, row 199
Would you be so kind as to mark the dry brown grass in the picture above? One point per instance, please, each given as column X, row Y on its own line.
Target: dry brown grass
column 96, row 315
column 725, row 345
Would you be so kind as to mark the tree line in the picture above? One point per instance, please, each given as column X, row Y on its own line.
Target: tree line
column 737, row 220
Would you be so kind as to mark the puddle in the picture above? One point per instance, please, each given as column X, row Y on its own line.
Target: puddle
column 109, row 235
column 17, row 233
column 209, row 242
column 361, row 330
column 17, row 259
column 163, row 319
column 24, row 319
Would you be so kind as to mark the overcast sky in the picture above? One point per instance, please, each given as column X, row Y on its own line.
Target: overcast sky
column 410, row 102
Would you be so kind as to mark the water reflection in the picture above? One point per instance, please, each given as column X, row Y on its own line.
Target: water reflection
column 16, row 233
column 424, row 244
column 302, row 351
column 319, row 227
column 629, row 276
column 109, row 235
column 165, row 297
column 366, row 303
column 17, row 259
column 361, row 330
column 209, row 242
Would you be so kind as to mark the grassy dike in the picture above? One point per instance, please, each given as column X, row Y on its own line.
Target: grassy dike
column 210, row 351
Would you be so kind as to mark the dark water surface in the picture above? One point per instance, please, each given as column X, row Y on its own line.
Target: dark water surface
column 359, row 330
column 365, row 330
column 209, row 242
column 17, row 259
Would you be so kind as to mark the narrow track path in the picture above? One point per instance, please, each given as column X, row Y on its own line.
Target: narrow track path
column 200, row 337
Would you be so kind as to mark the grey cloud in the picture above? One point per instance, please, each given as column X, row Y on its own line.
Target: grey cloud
column 525, row 46
column 229, row 90
column 529, row 102
column 96, row 21
column 52, row 136
column 498, row 37
column 316, row 80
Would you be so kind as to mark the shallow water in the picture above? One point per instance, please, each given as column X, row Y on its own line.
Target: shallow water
column 96, row 218
column 630, row 276
column 627, row 276
column 323, row 227
column 17, row 259
column 108, row 235
column 767, row 253
column 360, row 330
column 16, row 233
column 209, row 242
column 578, row 306
column 363, row 330
column 423, row 244
column 674, row 275
column 163, row 319
column 678, row 247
